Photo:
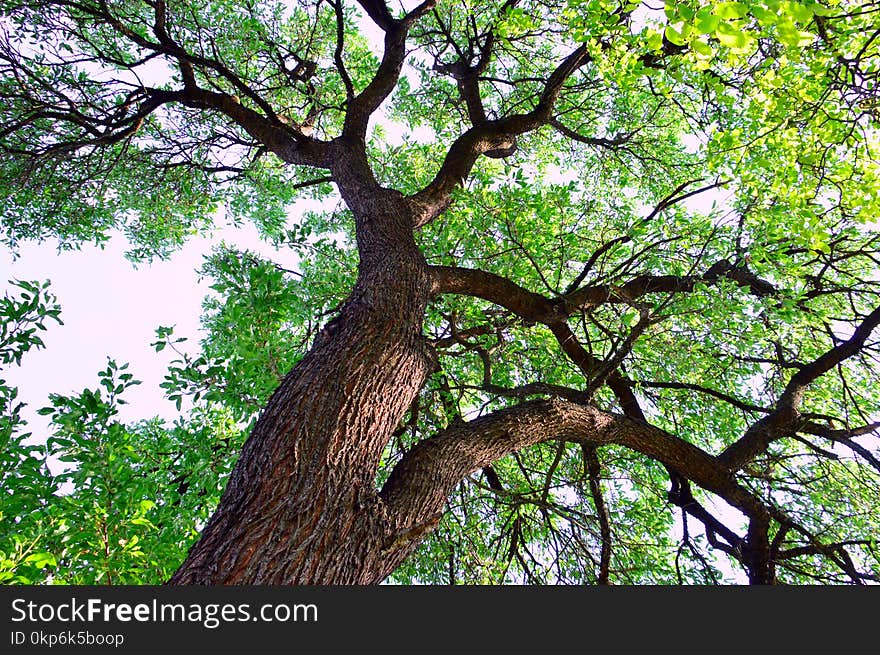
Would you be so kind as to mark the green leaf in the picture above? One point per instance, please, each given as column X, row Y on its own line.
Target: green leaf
column 684, row 11
column 765, row 16
column 674, row 35
column 789, row 34
column 654, row 40
column 702, row 48
column 707, row 22
column 41, row 560
column 730, row 10
column 801, row 11
column 733, row 38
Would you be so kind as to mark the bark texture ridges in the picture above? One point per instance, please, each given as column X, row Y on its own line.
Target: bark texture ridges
column 301, row 504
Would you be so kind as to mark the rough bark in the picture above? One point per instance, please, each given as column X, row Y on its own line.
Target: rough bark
column 301, row 505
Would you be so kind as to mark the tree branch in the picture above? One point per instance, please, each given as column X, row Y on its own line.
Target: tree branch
column 783, row 420
column 681, row 495
column 497, row 290
column 600, row 142
column 337, row 52
column 362, row 106
column 379, row 13
column 419, row 485
column 112, row 123
column 594, row 469
column 535, row 307
column 793, row 394
column 845, row 437
column 735, row 402
column 495, row 138
column 288, row 144
column 467, row 74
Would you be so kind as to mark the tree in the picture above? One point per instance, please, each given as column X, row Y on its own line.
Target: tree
column 614, row 279
column 25, row 481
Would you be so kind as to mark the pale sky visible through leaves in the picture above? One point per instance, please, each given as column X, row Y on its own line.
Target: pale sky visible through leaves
column 112, row 308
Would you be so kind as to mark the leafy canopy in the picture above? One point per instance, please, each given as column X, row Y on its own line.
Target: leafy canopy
column 729, row 146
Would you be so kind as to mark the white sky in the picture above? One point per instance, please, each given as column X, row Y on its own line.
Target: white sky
column 111, row 308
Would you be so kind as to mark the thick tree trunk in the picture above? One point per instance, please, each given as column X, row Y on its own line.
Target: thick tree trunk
column 301, row 505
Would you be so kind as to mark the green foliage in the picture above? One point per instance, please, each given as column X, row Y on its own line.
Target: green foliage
column 120, row 504
column 159, row 179
column 137, row 494
column 24, row 317
column 24, row 478
column 99, row 502
column 769, row 106
column 259, row 322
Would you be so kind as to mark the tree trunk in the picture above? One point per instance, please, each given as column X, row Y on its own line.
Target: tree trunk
column 301, row 505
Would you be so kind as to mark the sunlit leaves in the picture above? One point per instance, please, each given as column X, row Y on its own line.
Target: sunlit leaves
column 128, row 498
column 24, row 479
column 737, row 25
column 99, row 501
column 735, row 136
column 24, row 317
column 81, row 159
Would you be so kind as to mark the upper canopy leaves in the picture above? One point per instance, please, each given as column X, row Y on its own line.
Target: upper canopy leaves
column 670, row 211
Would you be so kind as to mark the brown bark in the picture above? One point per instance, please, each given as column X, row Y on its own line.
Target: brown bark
column 301, row 505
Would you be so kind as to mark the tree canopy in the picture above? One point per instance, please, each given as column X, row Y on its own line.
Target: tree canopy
column 590, row 287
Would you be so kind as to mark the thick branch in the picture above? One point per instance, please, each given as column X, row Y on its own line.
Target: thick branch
column 791, row 397
column 419, row 485
column 680, row 494
column 497, row 138
column 497, row 290
column 361, row 107
column 535, row 307
column 378, row 12
column 430, row 202
column 784, row 419
column 287, row 144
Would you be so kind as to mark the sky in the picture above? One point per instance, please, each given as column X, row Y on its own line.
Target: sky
column 111, row 308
